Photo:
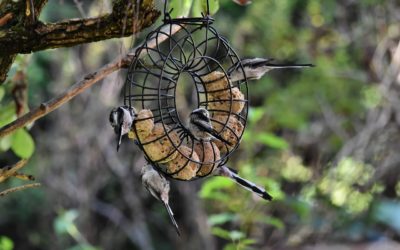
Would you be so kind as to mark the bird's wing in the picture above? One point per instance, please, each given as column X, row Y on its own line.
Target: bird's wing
column 256, row 62
column 287, row 65
column 152, row 192
column 206, row 126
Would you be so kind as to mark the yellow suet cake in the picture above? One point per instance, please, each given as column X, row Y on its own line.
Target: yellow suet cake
column 163, row 149
column 144, row 124
column 184, row 161
column 221, row 100
column 233, row 130
column 208, row 154
column 215, row 81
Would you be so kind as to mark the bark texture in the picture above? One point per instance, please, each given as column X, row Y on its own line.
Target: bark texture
column 22, row 32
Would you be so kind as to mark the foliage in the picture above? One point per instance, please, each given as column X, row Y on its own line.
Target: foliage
column 6, row 243
column 20, row 142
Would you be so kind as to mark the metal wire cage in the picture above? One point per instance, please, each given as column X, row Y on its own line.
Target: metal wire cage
column 196, row 58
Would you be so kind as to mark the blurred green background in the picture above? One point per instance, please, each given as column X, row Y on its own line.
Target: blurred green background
column 325, row 142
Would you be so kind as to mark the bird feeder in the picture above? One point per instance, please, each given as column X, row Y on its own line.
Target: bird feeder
column 202, row 56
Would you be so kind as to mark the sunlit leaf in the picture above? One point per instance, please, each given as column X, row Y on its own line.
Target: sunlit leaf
column 372, row 96
column 22, row 144
column 220, row 232
column 295, row 171
column 7, row 114
column 272, row 141
column 209, row 187
column 236, row 235
column 6, row 243
column 247, row 242
column 218, row 219
column 65, row 221
column 5, row 143
column 213, row 6
column 255, row 114
column 180, row 8
column 200, row 7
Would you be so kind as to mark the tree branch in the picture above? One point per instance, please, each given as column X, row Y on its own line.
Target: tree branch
column 15, row 14
column 20, row 32
column 78, row 88
column 7, row 172
column 124, row 20
column 19, row 188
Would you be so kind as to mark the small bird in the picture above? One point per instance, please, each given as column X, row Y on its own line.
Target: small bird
column 200, row 126
column 232, row 174
column 255, row 68
column 121, row 119
column 158, row 186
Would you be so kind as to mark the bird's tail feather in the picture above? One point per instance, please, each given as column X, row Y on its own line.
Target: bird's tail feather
column 172, row 218
column 251, row 186
column 288, row 66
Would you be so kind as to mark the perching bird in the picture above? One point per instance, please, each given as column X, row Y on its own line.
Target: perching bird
column 232, row 174
column 200, row 126
column 121, row 119
column 158, row 186
column 255, row 68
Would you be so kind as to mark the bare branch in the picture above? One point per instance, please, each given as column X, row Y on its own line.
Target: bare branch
column 7, row 172
column 14, row 14
column 120, row 22
column 19, row 188
column 77, row 88
column 23, row 33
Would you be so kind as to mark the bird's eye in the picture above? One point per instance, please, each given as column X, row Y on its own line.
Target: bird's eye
column 113, row 118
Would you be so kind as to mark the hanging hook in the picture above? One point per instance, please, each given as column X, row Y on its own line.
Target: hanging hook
column 167, row 14
column 208, row 8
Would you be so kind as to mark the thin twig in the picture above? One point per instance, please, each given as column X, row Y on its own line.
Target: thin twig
column 78, row 88
column 11, row 190
column 7, row 172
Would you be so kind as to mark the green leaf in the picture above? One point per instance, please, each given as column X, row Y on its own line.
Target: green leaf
column 6, row 243
column 5, row 143
column 218, row 219
column 65, row 221
column 22, row 144
column 180, row 7
column 272, row 141
column 2, row 93
column 220, row 232
column 210, row 187
column 213, row 6
column 7, row 114
column 236, row 235
column 273, row 221
column 247, row 242
column 255, row 114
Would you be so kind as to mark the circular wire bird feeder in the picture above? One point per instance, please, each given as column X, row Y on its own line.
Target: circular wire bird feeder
column 195, row 57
